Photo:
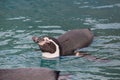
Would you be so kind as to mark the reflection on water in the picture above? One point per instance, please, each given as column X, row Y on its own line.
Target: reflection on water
column 22, row 19
column 16, row 18
column 108, row 26
column 101, row 7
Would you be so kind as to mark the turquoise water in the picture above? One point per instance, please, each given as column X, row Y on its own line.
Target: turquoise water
column 22, row 19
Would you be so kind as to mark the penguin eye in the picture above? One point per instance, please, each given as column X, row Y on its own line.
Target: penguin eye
column 38, row 40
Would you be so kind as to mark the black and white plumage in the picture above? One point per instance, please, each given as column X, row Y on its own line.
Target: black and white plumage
column 65, row 44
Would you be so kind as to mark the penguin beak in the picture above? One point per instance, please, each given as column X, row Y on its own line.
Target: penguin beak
column 37, row 39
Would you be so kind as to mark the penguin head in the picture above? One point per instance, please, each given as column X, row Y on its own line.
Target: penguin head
column 49, row 46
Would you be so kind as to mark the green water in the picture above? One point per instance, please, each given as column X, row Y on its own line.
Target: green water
column 22, row 19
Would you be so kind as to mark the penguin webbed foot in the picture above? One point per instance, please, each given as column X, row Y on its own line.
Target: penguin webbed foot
column 81, row 54
column 90, row 57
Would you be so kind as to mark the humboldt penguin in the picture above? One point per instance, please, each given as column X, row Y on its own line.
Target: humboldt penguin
column 29, row 74
column 65, row 44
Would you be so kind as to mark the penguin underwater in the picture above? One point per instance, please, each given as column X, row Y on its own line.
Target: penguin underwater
column 66, row 44
column 29, row 74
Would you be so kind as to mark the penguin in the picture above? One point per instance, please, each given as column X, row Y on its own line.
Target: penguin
column 66, row 44
column 29, row 74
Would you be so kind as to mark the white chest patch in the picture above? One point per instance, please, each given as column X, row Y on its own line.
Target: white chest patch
column 52, row 55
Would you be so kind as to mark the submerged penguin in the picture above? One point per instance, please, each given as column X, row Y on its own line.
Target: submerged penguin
column 29, row 74
column 64, row 45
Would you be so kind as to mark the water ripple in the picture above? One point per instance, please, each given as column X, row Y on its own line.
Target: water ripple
column 4, row 42
column 9, row 52
column 108, row 26
column 16, row 18
column 49, row 27
column 54, row 31
column 100, row 7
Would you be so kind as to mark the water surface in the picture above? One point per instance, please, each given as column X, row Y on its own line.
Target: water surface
column 22, row 19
